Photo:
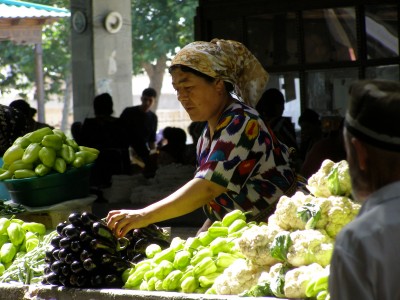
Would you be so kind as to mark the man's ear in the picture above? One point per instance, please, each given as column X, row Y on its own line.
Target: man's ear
column 361, row 152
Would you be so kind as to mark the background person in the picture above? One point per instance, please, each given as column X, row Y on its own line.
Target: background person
column 366, row 261
column 239, row 165
column 141, row 124
column 29, row 112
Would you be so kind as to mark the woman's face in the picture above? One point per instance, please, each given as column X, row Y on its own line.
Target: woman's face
column 203, row 100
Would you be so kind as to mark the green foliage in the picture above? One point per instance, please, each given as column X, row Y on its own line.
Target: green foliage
column 159, row 27
column 20, row 59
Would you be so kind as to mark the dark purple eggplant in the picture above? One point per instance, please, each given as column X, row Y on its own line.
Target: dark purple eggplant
column 47, row 270
column 141, row 245
column 88, row 218
column 97, row 280
column 65, row 242
column 89, row 264
column 64, row 280
column 86, row 236
column 76, row 246
column 75, row 219
column 55, row 253
column 60, row 227
column 63, row 253
column 82, row 280
column 70, row 231
column 137, row 258
column 85, row 254
column 56, row 266
column 66, row 270
column 55, row 241
column 101, row 230
column 113, row 280
column 122, row 243
column 70, row 257
column 76, row 266
column 97, row 244
column 73, row 279
column 49, row 258
column 52, row 278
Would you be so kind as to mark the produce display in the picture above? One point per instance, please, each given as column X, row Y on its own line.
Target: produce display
column 43, row 151
column 20, row 242
column 286, row 257
column 85, row 252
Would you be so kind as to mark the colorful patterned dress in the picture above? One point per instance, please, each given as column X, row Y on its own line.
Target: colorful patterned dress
column 246, row 159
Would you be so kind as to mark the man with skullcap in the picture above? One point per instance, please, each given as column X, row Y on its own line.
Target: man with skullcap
column 366, row 260
column 240, row 164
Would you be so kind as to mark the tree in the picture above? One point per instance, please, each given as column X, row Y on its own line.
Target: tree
column 159, row 27
column 19, row 59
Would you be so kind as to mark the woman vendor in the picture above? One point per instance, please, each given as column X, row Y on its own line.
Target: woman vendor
column 240, row 164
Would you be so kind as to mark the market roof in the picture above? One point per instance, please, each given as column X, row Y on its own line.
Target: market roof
column 21, row 9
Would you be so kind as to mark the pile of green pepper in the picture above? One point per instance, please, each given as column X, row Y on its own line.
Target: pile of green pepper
column 42, row 151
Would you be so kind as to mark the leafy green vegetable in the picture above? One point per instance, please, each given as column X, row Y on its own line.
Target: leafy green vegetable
column 310, row 214
column 280, row 246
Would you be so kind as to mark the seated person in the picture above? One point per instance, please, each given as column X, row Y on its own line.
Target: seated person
column 107, row 134
column 174, row 148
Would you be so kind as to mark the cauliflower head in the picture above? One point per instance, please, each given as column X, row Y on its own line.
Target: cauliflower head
column 285, row 215
column 255, row 244
column 296, row 280
column 332, row 179
column 336, row 212
column 310, row 246
column 237, row 278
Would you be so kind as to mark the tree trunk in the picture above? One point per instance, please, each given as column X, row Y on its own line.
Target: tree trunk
column 67, row 101
column 156, row 76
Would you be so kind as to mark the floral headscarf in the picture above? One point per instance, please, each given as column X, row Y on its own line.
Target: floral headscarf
column 229, row 61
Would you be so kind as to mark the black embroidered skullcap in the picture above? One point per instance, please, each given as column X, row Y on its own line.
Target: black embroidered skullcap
column 373, row 113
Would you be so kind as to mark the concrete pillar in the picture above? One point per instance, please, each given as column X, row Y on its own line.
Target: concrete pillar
column 101, row 45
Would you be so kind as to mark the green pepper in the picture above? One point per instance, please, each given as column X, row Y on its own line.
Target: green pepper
column 232, row 216
column 136, row 277
column 52, row 141
column 192, row 244
column 143, row 286
column 205, row 238
column 24, row 173
column 4, row 223
column 22, row 141
column 60, row 133
column 2, row 269
column 60, row 165
column 6, row 175
column 15, row 152
column 221, row 244
column 151, row 283
column 208, row 280
column 4, row 239
column 152, row 250
column 225, row 259
column 158, row 285
column 7, row 253
column 47, row 156
column 217, row 231
column 88, row 156
column 89, row 149
column 31, row 153
column 16, row 234
column 18, row 165
column 236, row 225
column 200, row 255
column 34, row 227
column 42, row 170
column 189, row 284
column 171, row 282
column 125, row 275
column 182, row 259
column 177, row 244
column 163, row 269
column 67, row 153
column 72, row 143
column 166, row 254
column 31, row 244
column 149, row 274
column 205, row 267
column 37, row 135
column 78, row 162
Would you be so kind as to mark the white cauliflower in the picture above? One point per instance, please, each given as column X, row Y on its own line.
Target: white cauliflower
column 336, row 212
column 332, row 179
column 255, row 244
column 277, row 279
column 310, row 246
column 296, row 280
column 237, row 278
column 285, row 215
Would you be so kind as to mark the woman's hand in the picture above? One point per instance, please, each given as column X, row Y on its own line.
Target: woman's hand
column 123, row 221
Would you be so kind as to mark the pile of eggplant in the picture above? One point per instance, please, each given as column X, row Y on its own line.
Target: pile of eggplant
column 85, row 253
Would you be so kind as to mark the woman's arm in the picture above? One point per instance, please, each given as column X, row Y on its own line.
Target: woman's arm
column 194, row 194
